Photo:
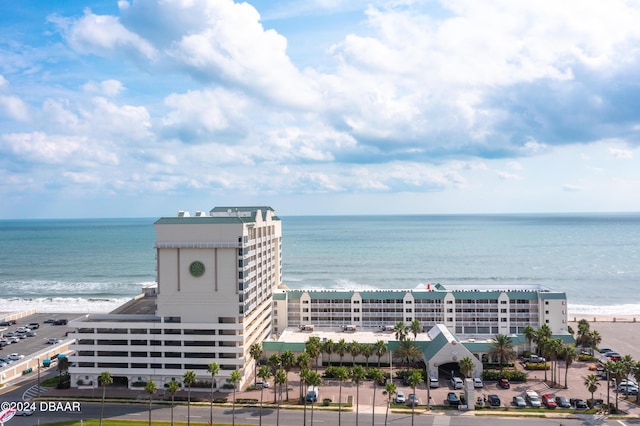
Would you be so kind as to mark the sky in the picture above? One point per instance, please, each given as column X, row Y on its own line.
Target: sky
column 143, row 108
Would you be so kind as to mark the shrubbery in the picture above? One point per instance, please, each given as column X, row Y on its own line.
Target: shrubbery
column 511, row 375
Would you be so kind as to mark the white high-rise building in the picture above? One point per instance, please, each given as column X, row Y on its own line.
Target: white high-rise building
column 216, row 276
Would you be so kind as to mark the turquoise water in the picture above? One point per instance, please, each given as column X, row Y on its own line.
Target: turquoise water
column 96, row 264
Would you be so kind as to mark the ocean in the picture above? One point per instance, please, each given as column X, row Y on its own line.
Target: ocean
column 94, row 265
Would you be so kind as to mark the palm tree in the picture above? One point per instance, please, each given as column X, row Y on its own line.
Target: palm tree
column 635, row 372
column 304, row 379
column 355, row 349
column 314, row 349
column 616, row 371
column 569, row 355
column 105, row 380
column 592, row 384
column 342, row 374
column 502, row 349
column 274, row 363
column 466, row 366
column 313, row 379
column 151, row 389
column 256, row 353
column 408, row 351
column 612, row 369
column 400, row 331
column 280, row 378
column 415, row 328
column 390, row 390
column 264, row 374
column 377, row 377
column 188, row 379
column 380, row 350
column 595, row 338
column 582, row 338
column 530, row 334
column 213, row 369
column 341, row 349
column 357, row 376
column 555, row 348
column 173, row 387
column 543, row 346
column 414, row 380
column 303, row 362
column 327, row 348
column 234, row 379
column 288, row 361
column 366, row 350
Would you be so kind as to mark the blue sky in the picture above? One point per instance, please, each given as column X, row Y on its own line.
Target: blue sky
column 142, row 108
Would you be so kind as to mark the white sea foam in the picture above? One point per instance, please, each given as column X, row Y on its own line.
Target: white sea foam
column 606, row 310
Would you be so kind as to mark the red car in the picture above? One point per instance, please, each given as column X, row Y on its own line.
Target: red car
column 549, row 401
column 504, row 383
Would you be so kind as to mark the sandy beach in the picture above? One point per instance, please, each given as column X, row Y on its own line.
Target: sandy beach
column 618, row 333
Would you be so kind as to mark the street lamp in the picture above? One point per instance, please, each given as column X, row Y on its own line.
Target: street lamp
column 428, row 387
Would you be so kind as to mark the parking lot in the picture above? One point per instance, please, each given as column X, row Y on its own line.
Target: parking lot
column 46, row 331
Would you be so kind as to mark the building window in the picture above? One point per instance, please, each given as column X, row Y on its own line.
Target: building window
column 305, row 302
column 408, row 320
column 356, row 309
column 503, row 319
column 504, row 311
column 356, row 318
column 305, row 309
column 450, row 319
column 503, row 302
column 408, row 302
column 356, row 302
column 546, row 302
column 546, row 312
column 449, row 302
column 409, row 310
column 449, row 310
column 547, row 321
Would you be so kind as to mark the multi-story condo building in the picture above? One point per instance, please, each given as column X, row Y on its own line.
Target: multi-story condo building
column 216, row 274
column 464, row 310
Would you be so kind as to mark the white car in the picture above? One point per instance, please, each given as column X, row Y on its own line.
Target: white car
column 477, row 383
column 400, row 398
column 13, row 339
column 457, row 383
column 16, row 356
column 53, row 341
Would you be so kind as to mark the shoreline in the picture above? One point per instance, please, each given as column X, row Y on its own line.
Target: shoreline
column 594, row 318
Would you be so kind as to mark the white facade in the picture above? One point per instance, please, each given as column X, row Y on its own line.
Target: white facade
column 216, row 276
column 465, row 311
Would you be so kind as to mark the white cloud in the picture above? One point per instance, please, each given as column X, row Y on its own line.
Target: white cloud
column 106, row 87
column 102, row 35
column 620, row 153
column 13, row 107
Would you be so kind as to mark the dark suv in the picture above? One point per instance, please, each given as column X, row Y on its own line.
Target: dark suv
column 60, row 322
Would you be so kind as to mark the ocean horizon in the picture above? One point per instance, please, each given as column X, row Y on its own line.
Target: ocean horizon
column 94, row 265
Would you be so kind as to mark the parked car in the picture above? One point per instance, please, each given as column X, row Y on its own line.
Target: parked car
column 533, row 398
column 494, row 400
column 413, row 399
column 60, row 322
column 549, row 401
column 504, row 383
column 22, row 329
column 30, row 334
column 13, row 339
column 4, row 342
column 452, row 399
column 578, row 403
column 628, row 388
column 16, row 356
column 519, row 401
column 457, row 383
column 33, row 325
column 25, row 412
column 613, row 356
column 49, row 321
column 605, row 350
column 5, row 323
column 562, row 402
column 53, row 341
column 477, row 382
column 400, row 398
column 434, row 382
column 264, row 384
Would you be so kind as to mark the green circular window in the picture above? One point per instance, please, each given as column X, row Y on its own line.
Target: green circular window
column 196, row 268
